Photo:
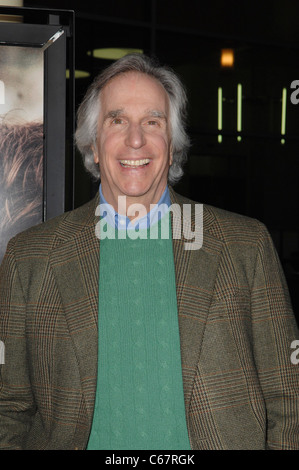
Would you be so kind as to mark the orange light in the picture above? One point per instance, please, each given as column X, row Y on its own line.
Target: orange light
column 227, row 58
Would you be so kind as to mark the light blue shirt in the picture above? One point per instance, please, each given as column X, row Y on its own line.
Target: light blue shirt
column 123, row 222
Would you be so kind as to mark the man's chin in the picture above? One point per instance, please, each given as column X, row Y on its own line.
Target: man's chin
column 135, row 192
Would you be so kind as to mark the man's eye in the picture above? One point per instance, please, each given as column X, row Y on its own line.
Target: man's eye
column 152, row 123
column 117, row 121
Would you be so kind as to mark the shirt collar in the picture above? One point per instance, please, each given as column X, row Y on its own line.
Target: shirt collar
column 123, row 222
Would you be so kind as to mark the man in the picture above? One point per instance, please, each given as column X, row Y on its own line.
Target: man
column 133, row 342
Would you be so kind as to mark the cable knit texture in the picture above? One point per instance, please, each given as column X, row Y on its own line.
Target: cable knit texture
column 139, row 398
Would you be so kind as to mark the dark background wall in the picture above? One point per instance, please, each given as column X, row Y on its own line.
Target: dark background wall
column 257, row 176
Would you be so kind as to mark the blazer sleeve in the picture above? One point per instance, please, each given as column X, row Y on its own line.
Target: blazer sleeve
column 274, row 329
column 16, row 400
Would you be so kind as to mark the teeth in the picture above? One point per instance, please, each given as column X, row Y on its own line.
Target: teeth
column 132, row 163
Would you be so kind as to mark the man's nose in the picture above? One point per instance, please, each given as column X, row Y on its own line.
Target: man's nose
column 135, row 137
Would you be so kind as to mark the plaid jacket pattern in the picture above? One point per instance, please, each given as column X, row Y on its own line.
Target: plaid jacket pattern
column 236, row 329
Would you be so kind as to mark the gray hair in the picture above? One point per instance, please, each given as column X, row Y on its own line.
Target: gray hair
column 88, row 112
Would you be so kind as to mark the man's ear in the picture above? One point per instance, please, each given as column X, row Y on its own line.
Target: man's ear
column 170, row 155
column 95, row 154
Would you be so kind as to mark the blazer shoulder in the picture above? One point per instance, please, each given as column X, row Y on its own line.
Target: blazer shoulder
column 47, row 235
column 237, row 229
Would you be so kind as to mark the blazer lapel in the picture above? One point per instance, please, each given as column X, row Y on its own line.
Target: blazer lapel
column 195, row 278
column 75, row 263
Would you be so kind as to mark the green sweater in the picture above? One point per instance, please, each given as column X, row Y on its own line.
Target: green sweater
column 139, row 398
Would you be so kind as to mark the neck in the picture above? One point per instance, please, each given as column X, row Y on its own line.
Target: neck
column 132, row 207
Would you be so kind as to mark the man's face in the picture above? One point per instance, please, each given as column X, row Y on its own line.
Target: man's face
column 133, row 140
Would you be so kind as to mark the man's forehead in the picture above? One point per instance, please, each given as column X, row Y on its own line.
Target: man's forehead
column 133, row 75
column 144, row 95
column 121, row 85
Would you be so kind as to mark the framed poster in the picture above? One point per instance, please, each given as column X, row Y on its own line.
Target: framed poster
column 33, row 131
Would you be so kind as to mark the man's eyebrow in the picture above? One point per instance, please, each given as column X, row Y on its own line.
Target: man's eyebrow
column 156, row 113
column 114, row 113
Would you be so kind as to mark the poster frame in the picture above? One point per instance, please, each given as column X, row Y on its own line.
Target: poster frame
column 53, row 32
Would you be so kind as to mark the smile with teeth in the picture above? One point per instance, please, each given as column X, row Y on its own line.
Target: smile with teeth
column 134, row 163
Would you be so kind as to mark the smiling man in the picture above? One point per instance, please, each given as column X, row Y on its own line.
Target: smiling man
column 140, row 380
column 139, row 342
column 133, row 148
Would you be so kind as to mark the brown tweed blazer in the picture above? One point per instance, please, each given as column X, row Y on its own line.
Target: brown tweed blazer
column 236, row 329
